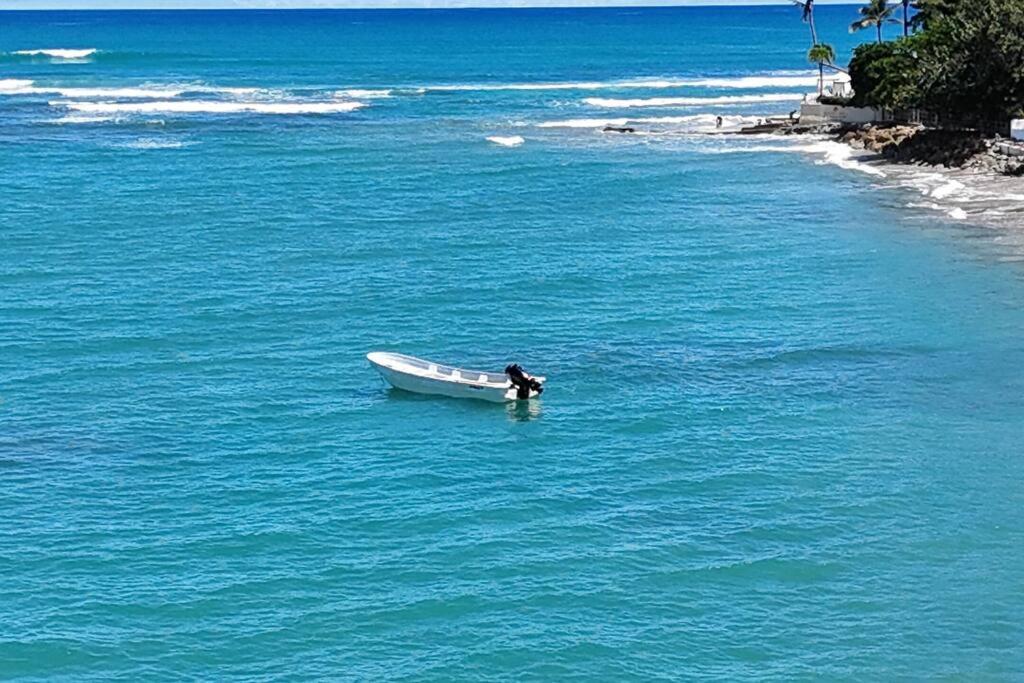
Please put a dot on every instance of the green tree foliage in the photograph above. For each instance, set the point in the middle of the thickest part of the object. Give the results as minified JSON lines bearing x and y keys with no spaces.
{"x":887,"y":74}
{"x":966,"y":63}
{"x":927,"y":11}
{"x":821,"y":54}
{"x":875,"y":13}
{"x":972,"y":62}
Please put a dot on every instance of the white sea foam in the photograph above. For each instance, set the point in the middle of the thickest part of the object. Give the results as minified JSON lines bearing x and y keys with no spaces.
{"x":692,"y":123}
{"x":23,"y":87}
{"x":829,"y":152}
{"x":507,"y":141}
{"x":935,"y":185}
{"x":583,"y":123}
{"x":363,"y":94}
{"x":746,"y":82}
{"x":586,"y":85}
{"x":13,"y":85}
{"x":208,"y":107}
{"x":163,"y":91}
{"x":956,"y":213}
{"x":611,"y":103}
{"x":127,"y":93}
{"x":153,"y":143}
{"x":960,"y":195}
{"x":947,"y":189}
{"x":842,"y":155}
{"x":58,"y":53}
{"x":788,"y":80}
{"x":78,"y":118}
{"x":235,"y":91}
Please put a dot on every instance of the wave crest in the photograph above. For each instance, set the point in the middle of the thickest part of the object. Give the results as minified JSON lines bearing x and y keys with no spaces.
{"x":611,"y":103}
{"x":737,"y":82}
{"x":208,"y":107}
{"x":363,"y":94}
{"x":507,"y":141}
{"x":691,"y":123}
{"x":58,"y":53}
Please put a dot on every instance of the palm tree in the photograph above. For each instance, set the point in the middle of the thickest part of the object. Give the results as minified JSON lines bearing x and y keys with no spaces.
{"x":807,"y":16}
{"x":875,"y":13}
{"x":906,"y":18}
{"x":821,"y":54}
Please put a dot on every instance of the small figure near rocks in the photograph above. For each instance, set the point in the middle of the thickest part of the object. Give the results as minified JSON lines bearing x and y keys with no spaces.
{"x":718,"y":122}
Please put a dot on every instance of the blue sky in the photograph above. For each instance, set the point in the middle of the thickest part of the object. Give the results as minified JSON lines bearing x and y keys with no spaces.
{"x":222,"y":4}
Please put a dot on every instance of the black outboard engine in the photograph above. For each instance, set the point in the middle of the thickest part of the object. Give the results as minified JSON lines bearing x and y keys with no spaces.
{"x":522,"y":381}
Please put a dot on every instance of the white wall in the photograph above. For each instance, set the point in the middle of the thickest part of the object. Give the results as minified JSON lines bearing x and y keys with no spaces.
{"x":1017,"y":129}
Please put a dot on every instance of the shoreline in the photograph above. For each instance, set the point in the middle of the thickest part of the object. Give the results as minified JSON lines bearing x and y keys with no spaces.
{"x":962,"y":175}
{"x":916,"y":145}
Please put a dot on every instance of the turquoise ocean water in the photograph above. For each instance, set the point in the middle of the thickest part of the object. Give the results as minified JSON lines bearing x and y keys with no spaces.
{"x":782,"y":437}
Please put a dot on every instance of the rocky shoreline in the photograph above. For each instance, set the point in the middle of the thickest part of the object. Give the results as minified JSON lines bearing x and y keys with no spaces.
{"x":907,"y":144}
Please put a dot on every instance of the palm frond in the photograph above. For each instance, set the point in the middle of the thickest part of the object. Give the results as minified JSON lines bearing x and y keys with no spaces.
{"x":806,"y":7}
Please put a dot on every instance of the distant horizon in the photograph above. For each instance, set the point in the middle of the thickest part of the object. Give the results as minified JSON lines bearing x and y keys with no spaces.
{"x":228,"y":5}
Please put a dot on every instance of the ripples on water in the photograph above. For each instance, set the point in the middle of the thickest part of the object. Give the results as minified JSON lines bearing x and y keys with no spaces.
{"x":781,"y":434}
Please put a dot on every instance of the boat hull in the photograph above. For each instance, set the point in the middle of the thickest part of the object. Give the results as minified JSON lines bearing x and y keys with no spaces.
{"x":425,"y":385}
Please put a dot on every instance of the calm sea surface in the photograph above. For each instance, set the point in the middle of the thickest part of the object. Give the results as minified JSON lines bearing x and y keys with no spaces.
{"x":783,"y":432}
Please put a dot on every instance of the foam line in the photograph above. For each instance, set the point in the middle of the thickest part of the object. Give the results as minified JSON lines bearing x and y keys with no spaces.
{"x":58,"y":53}
{"x":693,"y":122}
{"x":208,"y":107}
{"x":738,"y":82}
{"x":610,"y":103}
{"x":507,"y":141}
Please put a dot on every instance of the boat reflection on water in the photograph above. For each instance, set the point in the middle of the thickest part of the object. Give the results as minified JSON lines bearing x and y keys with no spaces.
{"x":523,"y":411}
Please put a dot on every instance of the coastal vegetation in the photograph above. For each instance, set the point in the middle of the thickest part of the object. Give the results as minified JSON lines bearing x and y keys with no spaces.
{"x":876,"y":13}
{"x":961,"y":61}
{"x":958,"y":68}
{"x":821,"y":54}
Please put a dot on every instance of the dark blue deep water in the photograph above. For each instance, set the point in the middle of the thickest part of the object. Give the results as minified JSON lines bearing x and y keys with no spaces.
{"x":783,"y":432}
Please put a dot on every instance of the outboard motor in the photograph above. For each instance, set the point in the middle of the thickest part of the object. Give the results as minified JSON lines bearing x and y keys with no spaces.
{"x":522,"y":381}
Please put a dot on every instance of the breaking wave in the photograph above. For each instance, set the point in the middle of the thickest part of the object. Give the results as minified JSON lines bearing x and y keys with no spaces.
{"x":58,"y":53}
{"x":208,"y":107}
{"x":960,"y":195}
{"x":152,"y":143}
{"x":13,"y":85}
{"x":691,"y":123}
{"x":23,"y":87}
{"x":842,"y":155}
{"x":234,"y":91}
{"x":745,"y":82}
{"x":507,"y":141}
{"x":830,"y":152}
{"x":609,"y":103}
{"x":738,"y":82}
{"x":363,"y":94}
{"x":79,"y":119}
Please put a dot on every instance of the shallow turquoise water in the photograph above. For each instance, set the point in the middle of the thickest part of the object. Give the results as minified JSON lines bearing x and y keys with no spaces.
{"x":782,"y":435}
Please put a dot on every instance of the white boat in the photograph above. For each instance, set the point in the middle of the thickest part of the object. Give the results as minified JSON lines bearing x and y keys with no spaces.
{"x":426,"y":377}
